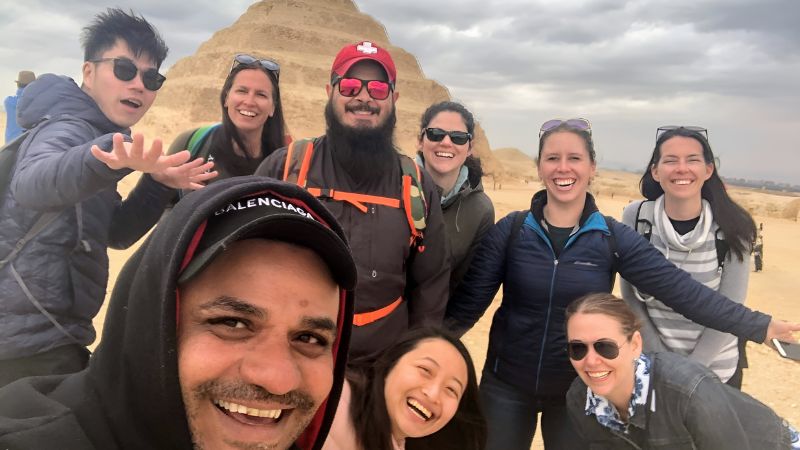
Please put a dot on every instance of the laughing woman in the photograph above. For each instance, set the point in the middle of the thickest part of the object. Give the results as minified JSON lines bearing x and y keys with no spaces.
{"x":690,"y":218}
{"x":624,"y":398}
{"x":421,"y":393}
{"x":444,"y":149}
{"x":252,"y":120}
{"x":546,"y":257}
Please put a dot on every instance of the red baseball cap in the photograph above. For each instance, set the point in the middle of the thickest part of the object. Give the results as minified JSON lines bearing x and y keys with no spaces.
{"x":351,"y":54}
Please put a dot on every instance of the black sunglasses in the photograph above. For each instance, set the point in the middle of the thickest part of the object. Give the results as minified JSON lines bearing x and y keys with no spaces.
{"x":665,"y":128}
{"x":268,"y":64}
{"x":126,"y":70}
{"x":608,"y":349}
{"x":456,"y":137}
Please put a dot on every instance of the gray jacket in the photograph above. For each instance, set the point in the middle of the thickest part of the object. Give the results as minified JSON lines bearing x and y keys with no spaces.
{"x":693,"y":410}
{"x":65,"y":267}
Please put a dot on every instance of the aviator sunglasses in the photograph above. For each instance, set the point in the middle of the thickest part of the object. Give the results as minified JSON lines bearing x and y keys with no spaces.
{"x":608,"y":349}
{"x":579,"y":124}
{"x":268,"y":64}
{"x":350,"y":87}
{"x":665,"y":128}
{"x":126,"y":70}
{"x":456,"y":137}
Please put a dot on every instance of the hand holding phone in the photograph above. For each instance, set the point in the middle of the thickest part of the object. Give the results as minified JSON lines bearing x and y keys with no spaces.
{"x":787,"y":349}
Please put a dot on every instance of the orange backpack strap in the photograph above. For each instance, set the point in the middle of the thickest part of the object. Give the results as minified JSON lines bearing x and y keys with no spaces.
{"x":354,"y":198}
{"x":361,"y":319}
{"x":298,"y":161}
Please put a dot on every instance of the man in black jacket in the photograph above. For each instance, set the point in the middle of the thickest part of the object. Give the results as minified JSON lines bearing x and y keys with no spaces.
{"x":228,"y":328}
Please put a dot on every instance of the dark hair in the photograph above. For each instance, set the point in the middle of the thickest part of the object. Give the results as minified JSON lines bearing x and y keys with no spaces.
{"x":606,"y":304}
{"x":273,"y":134}
{"x":373,"y":429}
{"x":472,"y":162}
{"x":585,"y":135}
{"x":736,"y":223}
{"x":107,"y":27}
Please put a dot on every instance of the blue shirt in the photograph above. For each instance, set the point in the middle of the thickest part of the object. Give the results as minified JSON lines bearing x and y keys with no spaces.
{"x":12,"y":128}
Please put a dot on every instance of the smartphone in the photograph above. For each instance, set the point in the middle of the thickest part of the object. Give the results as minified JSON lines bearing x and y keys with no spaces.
{"x":787,"y":349}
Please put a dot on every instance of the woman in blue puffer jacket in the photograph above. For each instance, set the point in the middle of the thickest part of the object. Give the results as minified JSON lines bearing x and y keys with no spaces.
{"x":563,"y":249}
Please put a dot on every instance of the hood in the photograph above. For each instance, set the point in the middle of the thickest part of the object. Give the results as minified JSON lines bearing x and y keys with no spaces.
{"x":54,"y":95}
{"x":135,"y":369}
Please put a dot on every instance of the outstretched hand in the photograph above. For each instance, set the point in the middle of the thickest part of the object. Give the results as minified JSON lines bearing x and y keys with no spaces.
{"x":131,"y":155}
{"x":191,"y":175}
{"x":781,"y":330}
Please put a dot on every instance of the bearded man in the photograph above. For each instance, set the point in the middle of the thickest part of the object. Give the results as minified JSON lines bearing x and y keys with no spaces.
{"x":357,"y":172}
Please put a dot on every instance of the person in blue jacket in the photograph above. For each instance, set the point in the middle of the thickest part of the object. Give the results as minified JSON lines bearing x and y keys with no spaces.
{"x":13,"y":129}
{"x":564,"y":249}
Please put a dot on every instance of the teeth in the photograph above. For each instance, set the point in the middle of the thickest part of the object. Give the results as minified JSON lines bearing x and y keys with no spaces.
{"x":241,"y":409}
{"x":445,"y":155}
{"x":598,"y":374}
{"x":564,"y":181}
{"x":682,"y":181}
{"x":419,"y":409}
{"x":247,"y":113}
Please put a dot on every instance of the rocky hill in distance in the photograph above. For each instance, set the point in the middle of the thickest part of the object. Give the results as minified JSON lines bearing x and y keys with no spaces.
{"x":304,"y":37}
{"x":516,"y":164}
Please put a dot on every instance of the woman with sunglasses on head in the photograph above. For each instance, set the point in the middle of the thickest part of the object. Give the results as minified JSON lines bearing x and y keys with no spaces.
{"x":252,"y":120}
{"x":444,"y":149}
{"x":690,"y":218}
{"x":624,"y":398}
{"x":559,"y":250}
{"x":420,"y":393}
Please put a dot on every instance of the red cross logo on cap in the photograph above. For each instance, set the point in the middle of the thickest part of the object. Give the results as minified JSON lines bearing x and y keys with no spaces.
{"x":366,"y":48}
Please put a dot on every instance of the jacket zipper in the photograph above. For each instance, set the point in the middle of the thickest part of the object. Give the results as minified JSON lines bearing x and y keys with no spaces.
{"x":549,"y":308}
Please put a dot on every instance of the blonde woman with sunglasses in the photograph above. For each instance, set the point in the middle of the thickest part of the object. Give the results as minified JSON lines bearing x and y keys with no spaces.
{"x":690,"y":218}
{"x":560,"y":249}
{"x":624,"y":398}
{"x":252,"y":124}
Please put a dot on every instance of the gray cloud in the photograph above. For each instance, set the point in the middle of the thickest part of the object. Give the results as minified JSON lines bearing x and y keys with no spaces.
{"x":629,"y":66}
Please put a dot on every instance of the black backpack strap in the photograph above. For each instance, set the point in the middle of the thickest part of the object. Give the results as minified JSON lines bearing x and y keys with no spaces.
{"x":646,"y":228}
{"x":516,"y":228}
{"x":612,"y":249}
{"x":41,"y":223}
{"x":722,"y":247}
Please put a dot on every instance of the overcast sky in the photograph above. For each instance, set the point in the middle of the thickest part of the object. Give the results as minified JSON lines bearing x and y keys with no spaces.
{"x":732,"y":66}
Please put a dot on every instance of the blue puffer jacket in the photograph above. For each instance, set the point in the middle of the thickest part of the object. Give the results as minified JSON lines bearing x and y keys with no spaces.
{"x":66,"y":265}
{"x":527,"y":342}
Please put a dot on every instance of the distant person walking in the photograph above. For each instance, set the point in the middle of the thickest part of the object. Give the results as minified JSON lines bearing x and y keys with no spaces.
{"x":690,"y":218}
{"x":13,"y":129}
{"x":758,"y":254}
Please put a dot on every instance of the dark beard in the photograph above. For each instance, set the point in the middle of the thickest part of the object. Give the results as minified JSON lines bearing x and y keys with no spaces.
{"x":367,"y":154}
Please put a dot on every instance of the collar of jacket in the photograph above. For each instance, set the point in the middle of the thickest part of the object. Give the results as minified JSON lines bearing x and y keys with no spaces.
{"x":540,"y":199}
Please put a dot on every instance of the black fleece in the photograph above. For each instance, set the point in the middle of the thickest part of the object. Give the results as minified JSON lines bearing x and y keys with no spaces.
{"x":129,"y":397}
